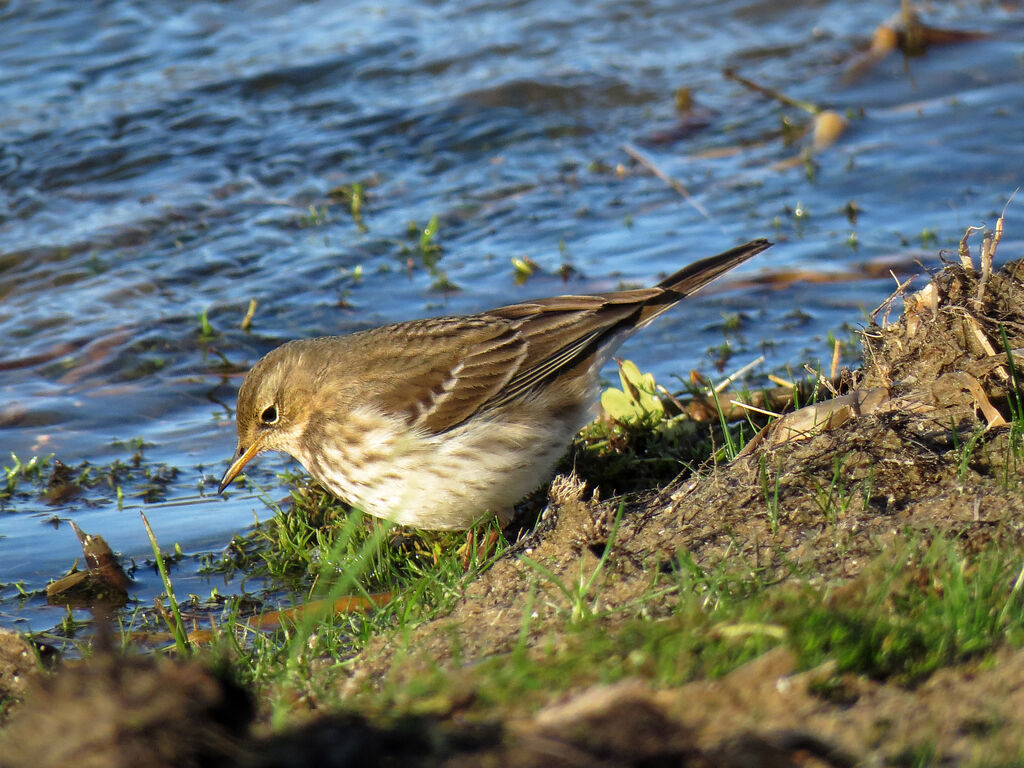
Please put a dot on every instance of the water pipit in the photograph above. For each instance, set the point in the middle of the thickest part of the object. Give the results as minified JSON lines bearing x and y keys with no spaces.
{"x":443,"y":422}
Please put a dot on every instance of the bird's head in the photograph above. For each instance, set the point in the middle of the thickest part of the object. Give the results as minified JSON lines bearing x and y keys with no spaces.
{"x":275,"y":403}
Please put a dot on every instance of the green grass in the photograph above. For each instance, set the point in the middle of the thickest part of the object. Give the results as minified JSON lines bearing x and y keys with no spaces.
{"x":834,"y":498}
{"x":966,"y":450}
{"x":580,"y":591}
{"x":314,"y":217}
{"x":354,"y":196}
{"x":912,"y":611}
{"x":915,"y":609}
{"x":33,"y":471}
{"x":173,"y":620}
{"x":206,"y":331}
{"x":315,"y":532}
{"x":318,"y":551}
{"x":429,"y":252}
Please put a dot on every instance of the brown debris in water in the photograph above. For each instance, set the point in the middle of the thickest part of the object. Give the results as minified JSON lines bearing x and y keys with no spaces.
{"x":907,"y":33}
{"x":103,"y":582}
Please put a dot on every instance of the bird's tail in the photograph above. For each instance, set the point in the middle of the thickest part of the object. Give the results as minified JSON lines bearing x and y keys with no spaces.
{"x":695,"y":276}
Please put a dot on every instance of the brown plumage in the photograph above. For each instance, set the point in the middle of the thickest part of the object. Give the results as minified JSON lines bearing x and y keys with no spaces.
{"x":438,"y":423}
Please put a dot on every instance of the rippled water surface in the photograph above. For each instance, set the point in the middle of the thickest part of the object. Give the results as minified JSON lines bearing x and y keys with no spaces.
{"x":163,"y":160}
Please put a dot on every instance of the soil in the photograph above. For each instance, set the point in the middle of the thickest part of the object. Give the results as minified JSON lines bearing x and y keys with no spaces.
{"x":936,"y":377}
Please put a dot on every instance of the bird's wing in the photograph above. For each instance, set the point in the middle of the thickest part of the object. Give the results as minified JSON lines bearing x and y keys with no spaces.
{"x":491,"y":359}
{"x":564,"y":332}
{"x":450,"y":367}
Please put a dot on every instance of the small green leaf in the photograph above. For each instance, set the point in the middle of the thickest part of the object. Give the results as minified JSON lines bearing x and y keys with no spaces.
{"x":619,"y":405}
{"x":522,"y":266}
{"x":637,"y":400}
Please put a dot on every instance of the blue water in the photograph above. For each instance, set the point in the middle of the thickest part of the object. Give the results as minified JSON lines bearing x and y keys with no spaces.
{"x":160,"y":160}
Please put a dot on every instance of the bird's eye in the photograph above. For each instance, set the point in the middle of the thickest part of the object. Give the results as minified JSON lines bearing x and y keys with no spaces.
{"x":269,"y":415}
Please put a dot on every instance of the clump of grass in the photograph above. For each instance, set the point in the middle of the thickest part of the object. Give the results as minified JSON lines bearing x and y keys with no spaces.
{"x":966,"y":450}
{"x":174,"y":622}
{"x":206,"y":331}
{"x":915,"y":610}
{"x":34,"y":470}
{"x":834,"y":499}
{"x":291,"y":548}
{"x":314,"y":217}
{"x":354,"y":196}
{"x":643,"y":437}
{"x":429,"y":252}
{"x":319,"y":548}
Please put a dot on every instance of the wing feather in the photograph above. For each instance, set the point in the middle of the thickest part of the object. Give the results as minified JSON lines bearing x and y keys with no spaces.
{"x":455,"y":367}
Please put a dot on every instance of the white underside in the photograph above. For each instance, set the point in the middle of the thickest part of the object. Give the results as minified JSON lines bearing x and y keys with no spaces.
{"x":476,"y":470}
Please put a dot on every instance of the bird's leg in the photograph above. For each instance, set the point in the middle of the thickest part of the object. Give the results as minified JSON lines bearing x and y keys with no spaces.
{"x":482,"y":548}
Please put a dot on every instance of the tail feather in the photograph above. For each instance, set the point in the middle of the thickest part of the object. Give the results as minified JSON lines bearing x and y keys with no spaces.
{"x":575,"y":335}
{"x":695,"y":276}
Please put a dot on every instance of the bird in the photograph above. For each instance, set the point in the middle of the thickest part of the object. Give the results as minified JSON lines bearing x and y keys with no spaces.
{"x":445,"y":422}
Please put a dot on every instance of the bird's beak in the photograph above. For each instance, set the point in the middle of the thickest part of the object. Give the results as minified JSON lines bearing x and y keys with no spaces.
{"x":242,"y":457}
